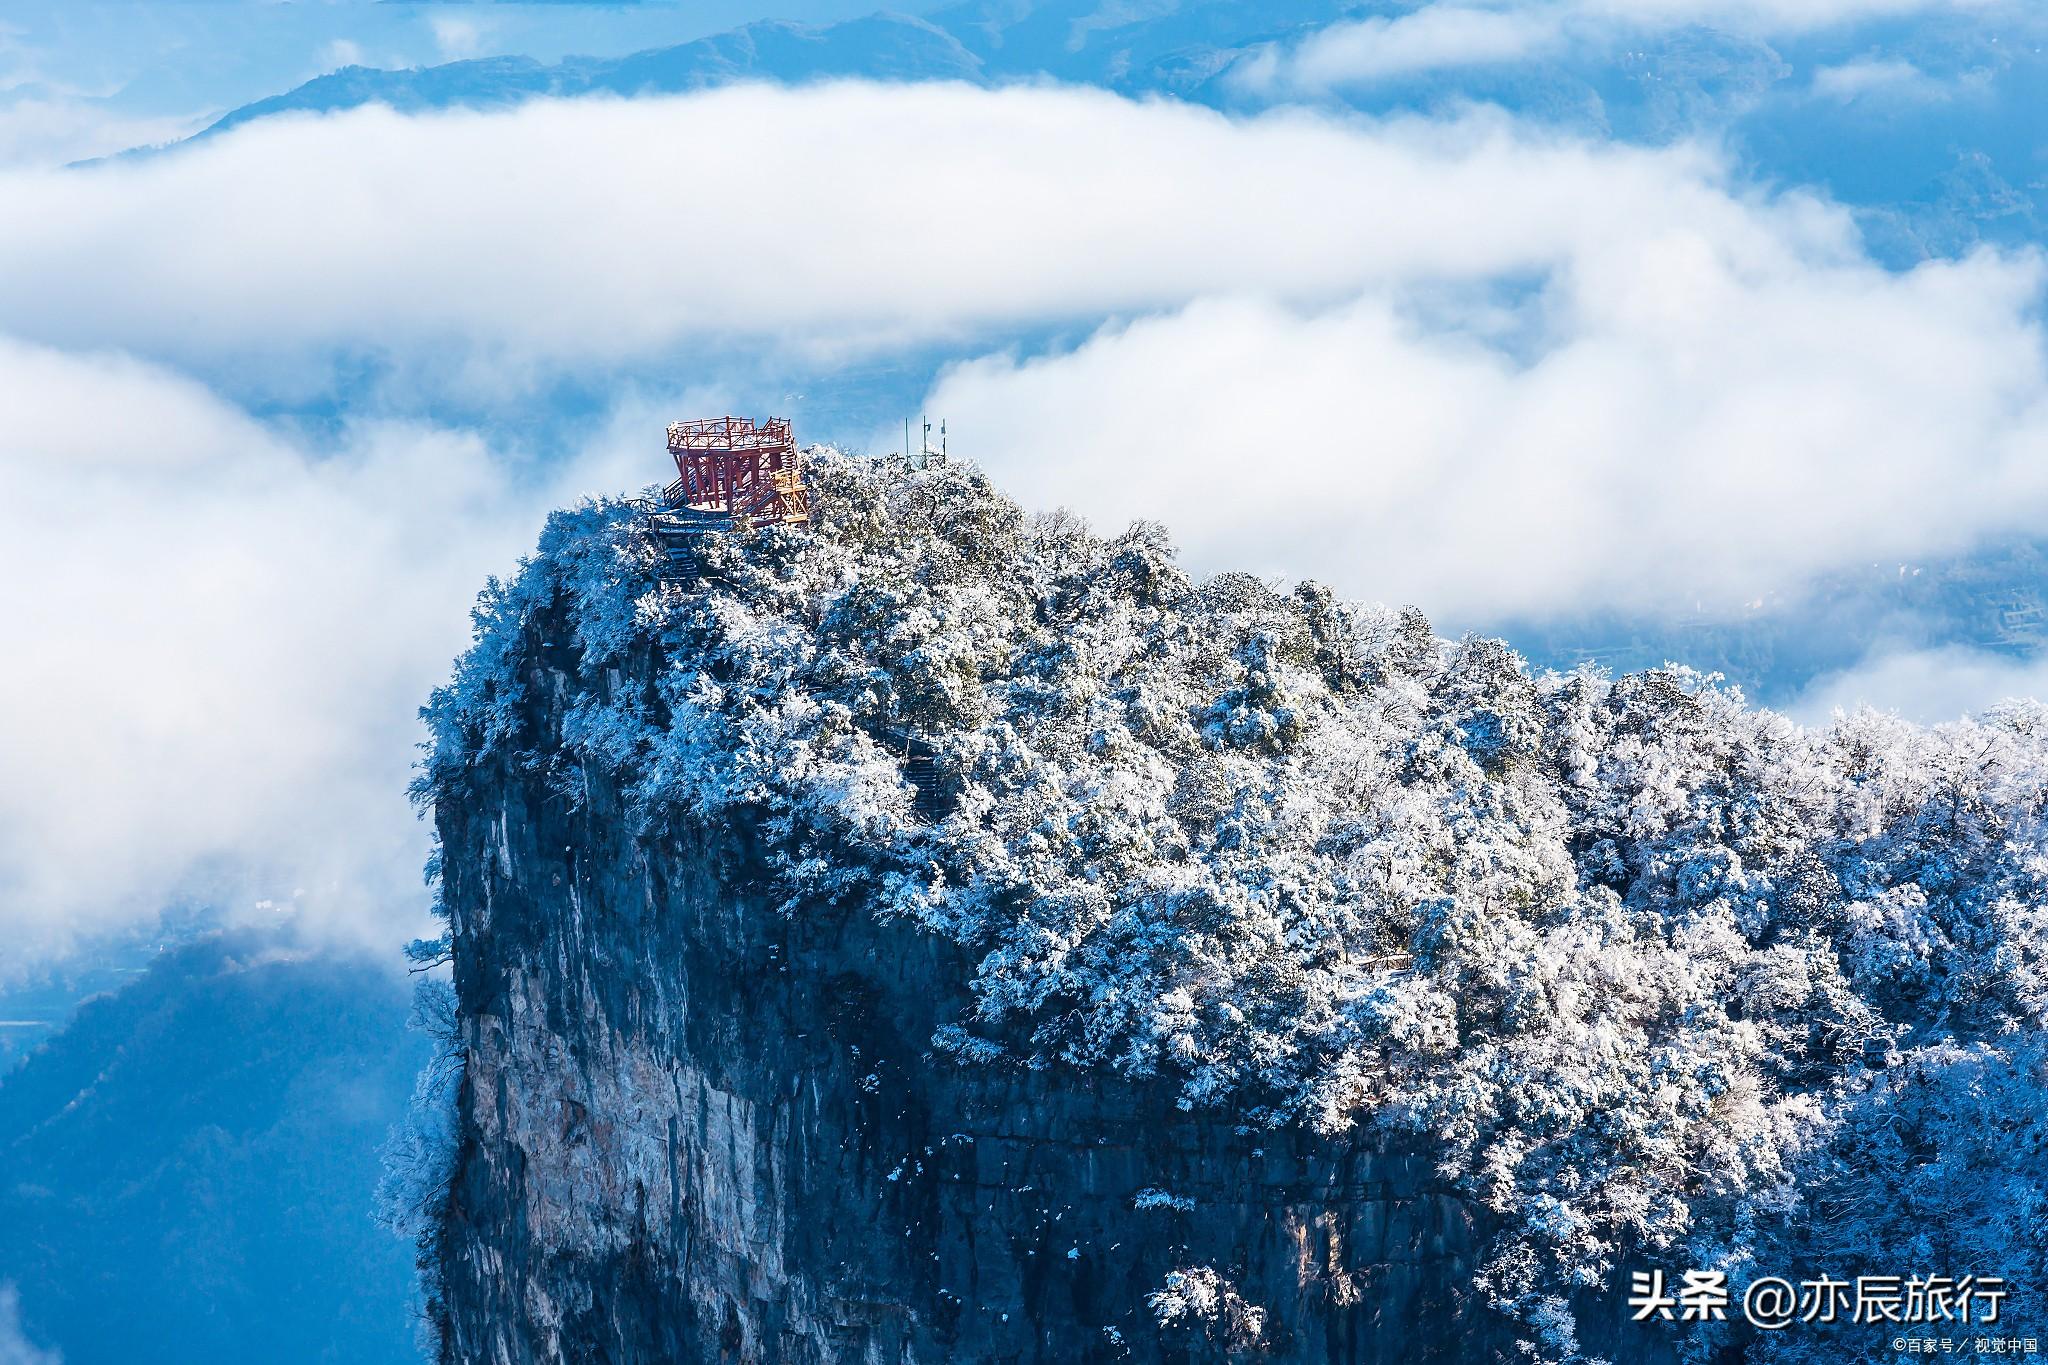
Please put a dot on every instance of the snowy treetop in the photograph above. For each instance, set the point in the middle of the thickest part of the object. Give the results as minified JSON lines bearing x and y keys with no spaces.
{"x":1657,"y":974}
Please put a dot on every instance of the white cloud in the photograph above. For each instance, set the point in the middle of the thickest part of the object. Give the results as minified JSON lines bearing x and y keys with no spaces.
{"x":1772,"y":16}
{"x":1433,"y":38}
{"x":340,"y":52}
{"x":1924,"y":685}
{"x":1468,"y":364}
{"x":52,"y":131}
{"x":1871,"y":76}
{"x":456,"y":38}
{"x":15,"y":1348}
{"x":218,"y":638}
{"x":1468,"y":33}
{"x":1695,"y":429}
{"x":590,"y":231}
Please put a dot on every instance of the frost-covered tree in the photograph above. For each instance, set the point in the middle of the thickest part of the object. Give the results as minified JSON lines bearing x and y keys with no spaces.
{"x":419,"y":1154}
{"x":1654,"y":972}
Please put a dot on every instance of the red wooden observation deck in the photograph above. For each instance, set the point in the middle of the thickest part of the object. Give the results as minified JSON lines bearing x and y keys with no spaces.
{"x":731,"y":466}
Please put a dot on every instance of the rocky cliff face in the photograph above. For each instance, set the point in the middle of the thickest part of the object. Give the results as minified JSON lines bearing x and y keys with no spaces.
{"x":696,"y":1127}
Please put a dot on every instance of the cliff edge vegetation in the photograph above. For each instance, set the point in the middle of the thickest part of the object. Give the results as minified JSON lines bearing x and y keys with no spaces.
{"x":1656,"y":977}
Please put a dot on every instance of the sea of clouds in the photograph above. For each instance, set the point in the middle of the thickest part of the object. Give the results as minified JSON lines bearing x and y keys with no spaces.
{"x":1459,"y":360}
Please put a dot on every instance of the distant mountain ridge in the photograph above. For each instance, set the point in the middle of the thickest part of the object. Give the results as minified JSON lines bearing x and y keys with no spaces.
{"x":881,"y":45}
{"x":191,"y":1164}
{"x":1178,"y":46}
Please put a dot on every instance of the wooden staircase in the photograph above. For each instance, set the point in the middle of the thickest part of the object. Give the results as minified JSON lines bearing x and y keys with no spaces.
{"x":932,"y":796}
{"x":679,"y":532}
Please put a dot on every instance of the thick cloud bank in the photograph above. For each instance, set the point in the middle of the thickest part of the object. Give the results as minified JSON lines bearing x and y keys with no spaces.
{"x":1511,"y":370}
{"x":218,"y":640}
{"x":853,"y":215}
{"x":1929,"y":686}
{"x":1469,"y":364}
{"x":1694,"y":430}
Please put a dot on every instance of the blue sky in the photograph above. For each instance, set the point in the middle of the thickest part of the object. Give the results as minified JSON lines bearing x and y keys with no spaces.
{"x":1705,"y":329}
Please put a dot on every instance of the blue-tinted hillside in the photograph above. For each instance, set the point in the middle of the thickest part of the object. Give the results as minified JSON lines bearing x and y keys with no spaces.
{"x":190,"y":1165}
